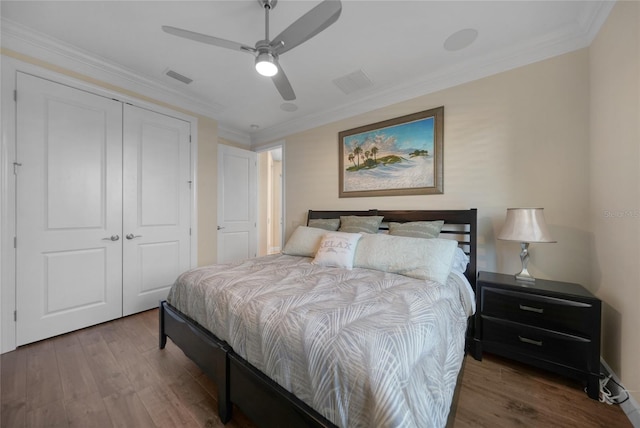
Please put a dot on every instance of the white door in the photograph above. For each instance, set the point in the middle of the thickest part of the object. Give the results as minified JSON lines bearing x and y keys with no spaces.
{"x":69,"y":209}
{"x":237,"y":204}
{"x":156,"y":211}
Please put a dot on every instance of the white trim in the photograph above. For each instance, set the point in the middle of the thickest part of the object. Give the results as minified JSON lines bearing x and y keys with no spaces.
{"x":630,"y":407}
{"x":194,"y":192}
{"x":9,"y":68}
{"x":468,"y":71}
{"x":31,"y":43}
{"x":269,"y":146}
{"x":7,"y":204}
{"x":234,"y":135}
{"x":547,"y":46}
{"x":592,"y":16}
{"x":283,"y":191}
{"x":283,"y":227}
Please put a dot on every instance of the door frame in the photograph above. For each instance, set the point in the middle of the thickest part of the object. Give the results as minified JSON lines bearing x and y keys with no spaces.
{"x":266,"y":148}
{"x":8,"y":83}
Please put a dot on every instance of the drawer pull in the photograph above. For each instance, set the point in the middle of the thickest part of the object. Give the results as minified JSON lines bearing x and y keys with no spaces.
{"x":530,"y":341}
{"x":531,"y":309}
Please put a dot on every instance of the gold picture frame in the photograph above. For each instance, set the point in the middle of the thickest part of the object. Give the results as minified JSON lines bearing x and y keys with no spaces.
{"x":400,"y":156}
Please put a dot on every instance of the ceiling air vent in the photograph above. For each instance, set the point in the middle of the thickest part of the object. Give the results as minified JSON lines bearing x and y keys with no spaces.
{"x":178,"y":76}
{"x":353,"y":82}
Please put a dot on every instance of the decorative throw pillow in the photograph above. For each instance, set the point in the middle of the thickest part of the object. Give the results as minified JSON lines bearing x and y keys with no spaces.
{"x":325,"y":223}
{"x":337,"y":250}
{"x":415,"y":257}
{"x":360,"y":224}
{"x":304,"y":241}
{"x":417,"y":229}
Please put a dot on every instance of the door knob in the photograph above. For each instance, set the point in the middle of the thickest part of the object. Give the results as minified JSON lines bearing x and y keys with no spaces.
{"x":111,"y":238}
{"x":220,"y":227}
{"x":132,"y":236}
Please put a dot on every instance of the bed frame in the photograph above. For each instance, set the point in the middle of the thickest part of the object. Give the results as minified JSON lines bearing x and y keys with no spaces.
{"x":260,"y":398}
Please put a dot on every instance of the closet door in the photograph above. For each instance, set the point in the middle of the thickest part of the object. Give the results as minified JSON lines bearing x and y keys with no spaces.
{"x":156,"y":206}
{"x":69,"y":209}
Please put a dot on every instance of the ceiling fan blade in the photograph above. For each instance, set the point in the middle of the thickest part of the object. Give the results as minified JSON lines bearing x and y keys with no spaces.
{"x":282,"y":84}
{"x":210,"y":40}
{"x":307,"y":26}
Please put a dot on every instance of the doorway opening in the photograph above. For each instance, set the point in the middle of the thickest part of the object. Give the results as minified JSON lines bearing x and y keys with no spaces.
{"x":270,"y":201}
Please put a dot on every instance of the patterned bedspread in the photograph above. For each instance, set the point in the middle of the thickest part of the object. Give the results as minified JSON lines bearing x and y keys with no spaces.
{"x":362,"y":347}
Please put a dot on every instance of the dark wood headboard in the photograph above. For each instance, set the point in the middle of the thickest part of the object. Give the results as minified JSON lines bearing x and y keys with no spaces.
{"x":460,"y":225}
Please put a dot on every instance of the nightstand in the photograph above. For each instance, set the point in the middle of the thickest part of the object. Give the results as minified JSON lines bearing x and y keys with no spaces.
{"x":548,"y":324}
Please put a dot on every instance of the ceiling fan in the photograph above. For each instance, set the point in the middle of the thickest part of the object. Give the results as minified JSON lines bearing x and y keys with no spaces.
{"x":267,"y":51}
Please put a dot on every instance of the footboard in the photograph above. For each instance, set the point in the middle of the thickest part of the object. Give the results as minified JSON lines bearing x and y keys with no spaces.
{"x":204,"y":349}
{"x":266,"y":402}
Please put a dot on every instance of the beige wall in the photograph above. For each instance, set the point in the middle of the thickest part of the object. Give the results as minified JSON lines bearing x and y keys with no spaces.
{"x":207,"y":157}
{"x":614,"y":66}
{"x":516,"y":139}
{"x":563,"y":134}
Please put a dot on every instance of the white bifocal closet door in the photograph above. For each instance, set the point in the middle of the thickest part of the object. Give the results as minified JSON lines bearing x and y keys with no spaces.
{"x":69,"y":209}
{"x":156,"y":206}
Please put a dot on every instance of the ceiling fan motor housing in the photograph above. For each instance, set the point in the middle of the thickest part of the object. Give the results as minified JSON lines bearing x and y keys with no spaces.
{"x":267,"y":52}
{"x":268,"y":3}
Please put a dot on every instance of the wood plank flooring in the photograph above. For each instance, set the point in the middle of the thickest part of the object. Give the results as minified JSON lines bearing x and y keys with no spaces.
{"x":114,"y":375}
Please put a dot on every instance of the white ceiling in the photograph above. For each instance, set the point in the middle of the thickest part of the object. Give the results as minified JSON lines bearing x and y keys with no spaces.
{"x":397,"y":44}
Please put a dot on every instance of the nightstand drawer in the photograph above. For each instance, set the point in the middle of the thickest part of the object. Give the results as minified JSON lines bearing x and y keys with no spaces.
{"x":567,"y":316}
{"x":539,"y":343}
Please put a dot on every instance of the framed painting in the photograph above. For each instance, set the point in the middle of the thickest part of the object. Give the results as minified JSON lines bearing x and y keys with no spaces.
{"x":401,"y":156}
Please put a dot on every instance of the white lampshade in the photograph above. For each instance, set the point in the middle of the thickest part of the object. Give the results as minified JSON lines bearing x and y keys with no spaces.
{"x":525,"y":225}
{"x":265,"y":65}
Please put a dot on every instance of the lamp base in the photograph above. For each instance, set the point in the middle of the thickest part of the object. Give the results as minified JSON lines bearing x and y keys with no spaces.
{"x":524,"y":274}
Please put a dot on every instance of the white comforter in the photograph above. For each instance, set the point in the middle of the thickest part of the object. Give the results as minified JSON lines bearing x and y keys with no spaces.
{"x":362,"y":347}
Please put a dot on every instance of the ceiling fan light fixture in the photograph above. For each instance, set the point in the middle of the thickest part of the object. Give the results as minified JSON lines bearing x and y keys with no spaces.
{"x":268,"y":51}
{"x":265,"y":64}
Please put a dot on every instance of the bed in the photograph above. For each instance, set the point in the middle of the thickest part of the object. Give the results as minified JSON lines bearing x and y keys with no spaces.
{"x":322,"y":368}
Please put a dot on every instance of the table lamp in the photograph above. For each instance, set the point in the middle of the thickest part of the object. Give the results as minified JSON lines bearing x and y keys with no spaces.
{"x":525,"y":225}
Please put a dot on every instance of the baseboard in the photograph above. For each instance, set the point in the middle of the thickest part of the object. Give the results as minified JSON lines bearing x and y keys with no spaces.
{"x":630,"y":407}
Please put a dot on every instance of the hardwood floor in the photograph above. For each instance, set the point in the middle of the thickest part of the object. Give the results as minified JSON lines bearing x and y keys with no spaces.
{"x":114,"y":375}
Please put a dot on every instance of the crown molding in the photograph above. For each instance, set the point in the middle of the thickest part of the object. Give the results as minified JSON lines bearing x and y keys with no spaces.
{"x":234,"y":135}
{"x":552,"y":44}
{"x":593,"y":15}
{"x":26,"y":41}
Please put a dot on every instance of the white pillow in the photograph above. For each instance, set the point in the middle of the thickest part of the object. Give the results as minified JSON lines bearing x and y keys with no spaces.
{"x":337,"y":249}
{"x":417,"y":229}
{"x":415,"y":257}
{"x":325,"y":223}
{"x":460,"y":261}
{"x":304,"y":241}
{"x":360,"y":224}
{"x":467,"y":296}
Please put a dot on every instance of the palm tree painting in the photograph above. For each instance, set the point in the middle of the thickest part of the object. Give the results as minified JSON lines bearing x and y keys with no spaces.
{"x":401,"y":156}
